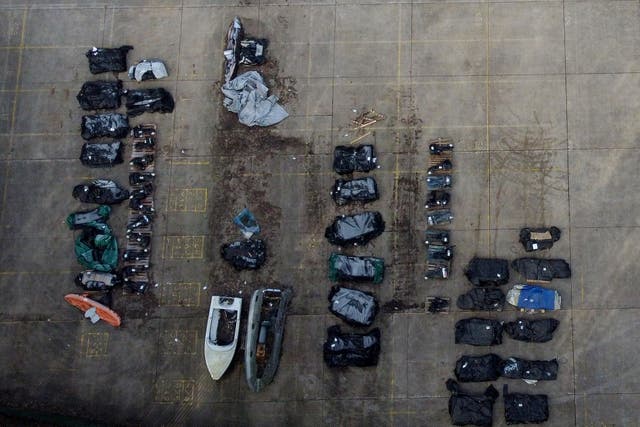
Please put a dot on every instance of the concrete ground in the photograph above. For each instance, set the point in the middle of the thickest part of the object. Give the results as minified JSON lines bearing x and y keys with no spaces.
{"x":540,"y":98}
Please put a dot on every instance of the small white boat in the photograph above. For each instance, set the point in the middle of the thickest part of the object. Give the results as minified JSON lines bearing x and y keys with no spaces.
{"x":221,"y":337}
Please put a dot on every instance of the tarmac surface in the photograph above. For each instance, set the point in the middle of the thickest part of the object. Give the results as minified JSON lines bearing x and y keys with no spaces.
{"x":541,"y":99}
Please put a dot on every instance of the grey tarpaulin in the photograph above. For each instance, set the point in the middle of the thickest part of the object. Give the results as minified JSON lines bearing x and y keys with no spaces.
{"x":247,"y":95}
{"x":353,"y":306}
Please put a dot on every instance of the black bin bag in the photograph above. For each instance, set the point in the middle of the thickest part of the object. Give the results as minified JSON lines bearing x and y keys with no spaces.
{"x":536,"y":370}
{"x":349,"y":159}
{"x":100,"y":191}
{"x":100,"y":95}
{"x":101,"y":154}
{"x":353,"y":306}
{"x":356,"y":229}
{"x":245,"y":254}
{"x":542,"y":270}
{"x":351,"y":349}
{"x":154,"y":100}
{"x":487,"y":271}
{"x":521,"y":408}
{"x":478,"y":368}
{"x":479,"y":332}
{"x":482,"y":299}
{"x":105,"y":59}
{"x":471,"y":409}
{"x":534,"y":330}
{"x":112,"y":125}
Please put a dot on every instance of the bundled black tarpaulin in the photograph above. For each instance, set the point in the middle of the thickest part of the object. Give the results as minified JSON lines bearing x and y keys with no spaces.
{"x":536,"y":370}
{"x":542,"y":270}
{"x":351,"y":349}
{"x":484,"y":299}
{"x":535,"y":330}
{"x":104,"y":59}
{"x":521,"y":408}
{"x":487,"y":271}
{"x":478,"y":368}
{"x":253,"y":51}
{"x":471,"y":409}
{"x":100,"y":191}
{"x":99,"y":95}
{"x":535,"y":239}
{"x":353,"y":306}
{"x":153,"y":100}
{"x":356,"y":268}
{"x":356,"y":229}
{"x":354,"y":190}
{"x":245,"y":254}
{"x":101,"y":154}
{"x":479,"y":332}
{"x":113,"y":125}
{"x":349,"y":159}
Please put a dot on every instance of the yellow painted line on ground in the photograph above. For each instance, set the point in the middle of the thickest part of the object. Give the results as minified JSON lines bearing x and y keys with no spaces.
{"x":174,"y":391}
{"x":180,"y":294}
{"x":183,"y":247}
{"x":188,"y":162}
{"x":94,"y":344}
{"x":188,"y":200}
{"x":16,"y":273}
{"x":488,"y":124}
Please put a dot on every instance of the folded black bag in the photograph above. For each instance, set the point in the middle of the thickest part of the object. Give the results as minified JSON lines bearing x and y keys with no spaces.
{"x":538,"y":330}
{"x":478,"y":368}
{"x":349,"y":159}
{"x":353,"y":306}
{"x":356,"y":229}
{"x":112,"y":125}
{"x":471,"y":408}
{"x":101,"y":154}
{"x":487,"y":271}
{"x":482,"y":299}
{"x":100,"y":95}
{"x":542,"y":270}
{"x":351,"y":349}
{"x":479,"y":332}
{"x":538,"y":370}
{"x":245,"y":254}
{"x":104,"y":59}
{"x":521,"y":408}
{"x":154,"y":100}
{"x":535,"y":239}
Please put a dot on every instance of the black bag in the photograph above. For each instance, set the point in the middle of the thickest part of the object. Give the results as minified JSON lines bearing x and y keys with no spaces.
{"x":479,"y":332}
{"x":354,"y":190}
{"x":351,"y":349}
{"x":113,"y":125}
{"x":102,"y":59}
{"x":535,"y":239}
{"x":100,"y":95}
{"x":100,"y":191}
{"x":542,"y":270}
{"x":538,"y":330}
{"x":521,"y":408}
{"x":478,"y":368}
{"x":356,"y":268}
{"x":353,"y":306}
{"x":349,"y":159}
{"x":101,"y":154}
{"x":469,"y":408}
{"x":155,"y":100}
{"x":356,"y":229}
{"x":487,"y":271}
{"x":538,"y":370}
{"x":485,"y":299}
{"x":253,"y":51}
{"x":245,"y":254}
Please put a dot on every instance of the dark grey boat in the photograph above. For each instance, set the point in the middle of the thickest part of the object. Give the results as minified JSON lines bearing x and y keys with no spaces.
{"x":265,"y":331}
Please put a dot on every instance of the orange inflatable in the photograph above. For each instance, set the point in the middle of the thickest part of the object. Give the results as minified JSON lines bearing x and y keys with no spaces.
{"x":83,"y":303}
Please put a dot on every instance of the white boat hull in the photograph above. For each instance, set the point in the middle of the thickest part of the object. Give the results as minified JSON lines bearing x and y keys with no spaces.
{"x":218,"y":355}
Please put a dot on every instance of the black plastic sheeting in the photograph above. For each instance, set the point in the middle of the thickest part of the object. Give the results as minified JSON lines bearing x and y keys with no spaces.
{"x":245,"y":254}
{"x":154,"y":100}
{"x":478,"y":368}
{"x":542,"y":270}
{"x":113,"y":125}
{"x":538,"y":330}
{"x":355,"y":307}
{"x":100,"y":191}
{"x":349,"y":159}
{"x":479,"y":332}
{"x":535,"y":239}
{"x":105,"y":59}
{"x":351,"y":349}
{"x":356,"y":268}
{"x":253,"y":51}
{"x":538,"y":370}
{"x":521,"y":408}
{"x":472,"y":409}
{"x":482,"y":299}
{"x":354,"y":190}
{"x":487,"y":271}
{"x":356,"y":229}
{"x":100,"y":95}
{"x":101,"y":154}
